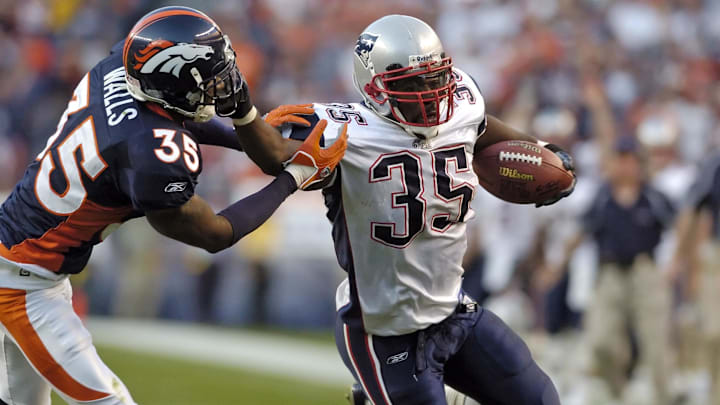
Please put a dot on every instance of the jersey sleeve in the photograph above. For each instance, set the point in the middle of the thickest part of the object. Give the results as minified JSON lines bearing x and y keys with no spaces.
{"x":469,"y":102}
{"x":214,"y":132}
{"x":155,"y":178}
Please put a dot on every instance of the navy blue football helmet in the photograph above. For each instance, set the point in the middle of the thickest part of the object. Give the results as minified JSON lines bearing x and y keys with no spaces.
{"x":179,"y":58}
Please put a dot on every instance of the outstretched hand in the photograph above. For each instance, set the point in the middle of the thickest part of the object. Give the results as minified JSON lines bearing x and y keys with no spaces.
{"x":289,"y":113}
{"x":311,"y":163}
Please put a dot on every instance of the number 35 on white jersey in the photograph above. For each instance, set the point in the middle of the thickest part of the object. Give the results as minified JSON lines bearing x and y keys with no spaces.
{"x":401,"y":206}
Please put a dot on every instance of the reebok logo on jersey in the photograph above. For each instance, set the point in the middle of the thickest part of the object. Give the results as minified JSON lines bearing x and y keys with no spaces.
{"x":397,"y":358}
{"x":175,"y":187}
{"x":364,"y":45}
{"x":169,"y":58}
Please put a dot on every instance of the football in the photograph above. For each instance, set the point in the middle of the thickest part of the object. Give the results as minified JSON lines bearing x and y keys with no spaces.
{"x":521,"y":172}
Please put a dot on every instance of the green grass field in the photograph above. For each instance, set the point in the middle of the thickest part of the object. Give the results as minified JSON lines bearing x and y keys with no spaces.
{"x":162,"y":380}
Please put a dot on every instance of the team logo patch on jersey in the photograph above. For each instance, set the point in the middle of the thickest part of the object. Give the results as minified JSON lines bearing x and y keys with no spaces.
{"x":397,"y":358}
{"x":169,"y":58}
{"x":176,"y":187}
{"x":364,"y":46}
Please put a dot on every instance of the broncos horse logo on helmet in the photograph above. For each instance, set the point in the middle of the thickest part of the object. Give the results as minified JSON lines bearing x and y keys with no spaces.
{"x":173,"y":58}
{"x":178,"y":58}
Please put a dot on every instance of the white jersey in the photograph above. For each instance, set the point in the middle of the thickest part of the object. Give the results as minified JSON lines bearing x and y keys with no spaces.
{"x":399,"y":207}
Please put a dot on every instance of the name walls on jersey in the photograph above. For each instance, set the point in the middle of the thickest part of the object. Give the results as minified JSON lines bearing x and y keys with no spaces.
{"x":115,"y":95}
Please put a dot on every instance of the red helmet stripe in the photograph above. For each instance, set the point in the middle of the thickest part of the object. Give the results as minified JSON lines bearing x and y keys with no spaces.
{"x":151,"y":49}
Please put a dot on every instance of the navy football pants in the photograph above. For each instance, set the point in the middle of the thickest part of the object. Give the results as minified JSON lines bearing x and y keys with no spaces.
{"x":475,"y":353}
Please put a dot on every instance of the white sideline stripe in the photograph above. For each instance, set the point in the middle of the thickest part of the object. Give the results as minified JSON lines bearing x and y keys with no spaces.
{"x":253,"y":351}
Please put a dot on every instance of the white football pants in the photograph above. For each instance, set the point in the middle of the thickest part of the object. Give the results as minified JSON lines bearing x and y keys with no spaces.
{"x":44,"y":345}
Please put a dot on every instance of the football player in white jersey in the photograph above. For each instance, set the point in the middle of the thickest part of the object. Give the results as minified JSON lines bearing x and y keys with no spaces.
{"x":399,"y":202}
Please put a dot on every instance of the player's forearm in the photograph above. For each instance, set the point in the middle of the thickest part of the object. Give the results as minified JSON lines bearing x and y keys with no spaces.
{"x":249,"y":213}
{"x":265,"y":146}
{"x":193,"y":223}
{"x":498,"y":131}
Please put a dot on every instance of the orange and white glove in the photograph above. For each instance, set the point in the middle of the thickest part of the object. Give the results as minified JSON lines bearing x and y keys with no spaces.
{"x":311,"y":164}
{"x":285,"y":113}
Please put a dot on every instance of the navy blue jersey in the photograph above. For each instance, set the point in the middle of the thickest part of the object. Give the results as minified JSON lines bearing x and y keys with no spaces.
{"x":111,"y":159}
{"x":624,"y":232}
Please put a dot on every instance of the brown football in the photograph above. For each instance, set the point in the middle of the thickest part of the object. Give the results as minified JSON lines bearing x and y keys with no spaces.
{"x":521,"y":172}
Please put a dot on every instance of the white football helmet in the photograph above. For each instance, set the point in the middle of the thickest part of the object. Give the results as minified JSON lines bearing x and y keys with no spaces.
{"x":402,"y":73}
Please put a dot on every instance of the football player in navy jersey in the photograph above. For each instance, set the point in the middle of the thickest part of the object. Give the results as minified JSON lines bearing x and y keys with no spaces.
{"x":126,"y":147}
{"x":399,"y":203}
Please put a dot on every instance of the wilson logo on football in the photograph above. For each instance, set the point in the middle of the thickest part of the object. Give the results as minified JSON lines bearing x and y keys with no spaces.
{"x":169,"y":58}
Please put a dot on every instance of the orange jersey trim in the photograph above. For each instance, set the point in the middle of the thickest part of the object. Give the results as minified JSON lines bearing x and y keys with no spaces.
{"x":48,"y":251}
{"x":13,"y":316}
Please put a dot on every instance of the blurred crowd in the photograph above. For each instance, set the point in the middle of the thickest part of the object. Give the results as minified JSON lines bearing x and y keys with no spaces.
{"x":630,"y":87}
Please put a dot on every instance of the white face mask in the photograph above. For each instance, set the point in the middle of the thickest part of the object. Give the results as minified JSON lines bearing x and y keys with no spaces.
{"x":204,"y":114}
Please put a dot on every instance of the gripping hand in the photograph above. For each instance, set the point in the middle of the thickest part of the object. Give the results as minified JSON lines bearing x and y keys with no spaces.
{"x":312,"y":164}
{"x":238,"y":104}
{"x":569,"y":165}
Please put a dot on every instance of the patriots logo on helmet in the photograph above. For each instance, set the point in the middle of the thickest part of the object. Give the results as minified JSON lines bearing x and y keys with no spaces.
{"x":365,"y":44}
{"x":169,"y":57}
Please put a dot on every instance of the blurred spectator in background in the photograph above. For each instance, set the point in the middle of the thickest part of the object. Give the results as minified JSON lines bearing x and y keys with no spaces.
{"x":698,"y":255}
{"x":631,"y":299}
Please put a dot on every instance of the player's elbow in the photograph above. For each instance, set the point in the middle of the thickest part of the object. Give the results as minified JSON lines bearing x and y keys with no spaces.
{"x":215,"y":245}
{"x":216,"y":242}
{"x":214,"y":248}
{"x":272,"y":168}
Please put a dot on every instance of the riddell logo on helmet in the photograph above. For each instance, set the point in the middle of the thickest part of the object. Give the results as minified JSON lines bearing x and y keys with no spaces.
{"x":169,"y":58}
{"x":419,"y":59}
{"x":363,"y":47}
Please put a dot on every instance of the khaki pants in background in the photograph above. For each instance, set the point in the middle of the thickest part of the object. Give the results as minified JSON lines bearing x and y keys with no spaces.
{"x":709,"y":302}
{"x":636,"y":299}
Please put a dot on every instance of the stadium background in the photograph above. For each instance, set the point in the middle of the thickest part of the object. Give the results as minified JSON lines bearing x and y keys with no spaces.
{"x":580,"y":73}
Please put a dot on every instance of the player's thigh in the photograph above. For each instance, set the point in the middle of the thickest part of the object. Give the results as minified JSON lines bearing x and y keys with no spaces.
{"x":19,"y":383}
{"x":386,"y":367}
{"x":43,"y":324}
{"x":495,"y":367}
